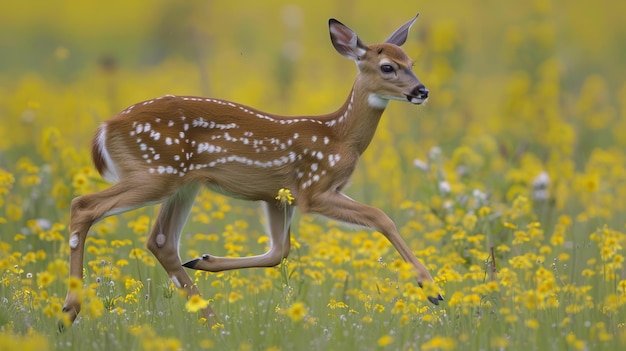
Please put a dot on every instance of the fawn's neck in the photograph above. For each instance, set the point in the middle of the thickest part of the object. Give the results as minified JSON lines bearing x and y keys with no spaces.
{"x":356,"y":120}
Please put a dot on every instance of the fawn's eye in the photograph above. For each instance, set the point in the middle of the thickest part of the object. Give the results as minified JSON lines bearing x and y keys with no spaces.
{"x":386,"y":68}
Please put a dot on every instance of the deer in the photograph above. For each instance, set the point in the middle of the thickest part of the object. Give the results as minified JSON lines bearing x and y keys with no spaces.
{"x":162,"y":151}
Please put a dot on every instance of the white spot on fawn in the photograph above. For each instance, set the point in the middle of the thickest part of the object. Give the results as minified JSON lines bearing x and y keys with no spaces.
{"x":155,"y":135}
{"x":333,"y":159}
{"x":176,"y":282}
{"x":160,"y":239}
{"x":210,"y":148}
{"x":74,"y":241}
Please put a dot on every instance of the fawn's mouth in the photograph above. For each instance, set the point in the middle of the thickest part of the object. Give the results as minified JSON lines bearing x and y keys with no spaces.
{"x":416,"y":100}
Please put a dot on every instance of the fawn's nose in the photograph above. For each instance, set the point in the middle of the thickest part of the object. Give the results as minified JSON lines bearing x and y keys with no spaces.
{"x":420,"y":92}
{"x":418,"y":95}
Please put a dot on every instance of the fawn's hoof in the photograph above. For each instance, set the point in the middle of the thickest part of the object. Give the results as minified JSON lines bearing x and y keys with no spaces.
{"x":435,"y":300}
{"x":192,"y":264}
{"x":63,"y":323}
{"x":60,"y":327}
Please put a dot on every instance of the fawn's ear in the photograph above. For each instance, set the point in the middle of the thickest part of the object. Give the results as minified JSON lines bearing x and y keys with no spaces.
{"x":399,"y":36}
{"x":345,"y":41}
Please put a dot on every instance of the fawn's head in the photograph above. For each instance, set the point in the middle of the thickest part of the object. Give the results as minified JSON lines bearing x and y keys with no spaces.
{"x":385,"y":67}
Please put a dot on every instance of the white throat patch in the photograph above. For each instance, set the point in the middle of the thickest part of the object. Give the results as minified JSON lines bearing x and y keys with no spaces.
{"x":377,"y":101}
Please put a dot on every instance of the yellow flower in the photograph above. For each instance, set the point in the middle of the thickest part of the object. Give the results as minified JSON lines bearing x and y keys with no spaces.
{"x":510,"y":225}
{"x":131,"y":283}
{"x":439,"y":343}
{"x":53,"y":310}
{"x":503,"y":248}
{"x":532,"y":323}
{"x":590,"y":182}
{"x":14,"y":212}
{"x":60,"y":193}
{"x":469,"y":221}
{"x":399,"y":307}
{"x":622,"y":286}
{"x":284,"y":196}
{"x":385,"y":340}
{"x":95,"y":307}
{"x":512,"y":318}
{"x":141,"y":225}
{"x":6,"y":181}
{"x":234,"y":296}
{"x":51,"y":141}
{"x":207,"y":344}
{"x":44,"y":279}
{"x":80,"y":182}
{"x":499,"y":342}
{"x":148,"y":261}
{"x":75,"y":284}
{"x":297,"y":311}
{"x":121,"y":262}
{"x":172,"y":344}
{"x":120,"y":243}
{"x":574,"y":342}
{"x":196,"y":303}
{"x":137,"y":253}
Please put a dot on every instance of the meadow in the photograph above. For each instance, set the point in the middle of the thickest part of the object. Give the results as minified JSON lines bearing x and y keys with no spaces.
{"x":509,"y":184}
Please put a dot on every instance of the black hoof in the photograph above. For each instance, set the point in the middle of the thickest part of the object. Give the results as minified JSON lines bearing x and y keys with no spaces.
{"x":434,"y":300}
{"x":60,"y":327}
{"x":192,"y":263}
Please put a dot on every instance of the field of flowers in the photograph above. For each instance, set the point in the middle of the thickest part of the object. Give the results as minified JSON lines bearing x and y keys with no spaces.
{"x":509,"y":184}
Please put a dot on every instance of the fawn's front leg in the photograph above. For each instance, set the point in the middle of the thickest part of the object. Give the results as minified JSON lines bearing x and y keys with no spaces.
{"x":334,"y":204}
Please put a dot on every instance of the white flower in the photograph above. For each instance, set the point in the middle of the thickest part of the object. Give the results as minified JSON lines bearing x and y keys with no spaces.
{"x":444,"y":187}
{"x":434,"y":153}
{"x":480,"y":197}
{"x":421,"y":165}
{"x":540,"y":186}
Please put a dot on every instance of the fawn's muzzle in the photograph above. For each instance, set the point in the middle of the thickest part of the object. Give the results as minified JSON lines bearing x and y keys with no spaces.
{"x":418,"y":95}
